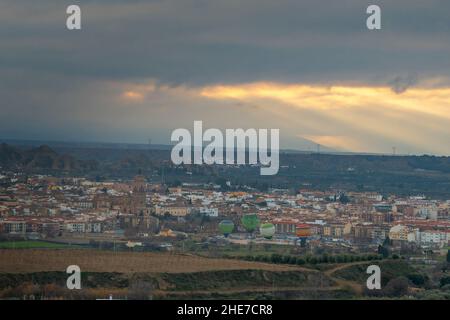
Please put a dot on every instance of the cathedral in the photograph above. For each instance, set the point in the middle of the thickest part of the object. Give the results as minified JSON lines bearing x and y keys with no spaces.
{"x":138,"y":203}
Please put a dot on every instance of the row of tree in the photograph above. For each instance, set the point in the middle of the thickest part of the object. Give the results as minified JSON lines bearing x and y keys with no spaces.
{"x":325,"y":258}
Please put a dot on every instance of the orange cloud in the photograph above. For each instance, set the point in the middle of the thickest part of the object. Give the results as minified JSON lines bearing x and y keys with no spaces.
{"x":342,"y":143}
{"x":336,"y":97}
{"x":344,"y":117}
{"x":132,"y":95}
{"x":356,"y":118}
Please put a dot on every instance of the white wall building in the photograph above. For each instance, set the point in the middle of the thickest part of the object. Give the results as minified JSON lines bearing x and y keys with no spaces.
{"x":434,"y":237}
{"x":78,"y":227}
{"x":210,"y":212}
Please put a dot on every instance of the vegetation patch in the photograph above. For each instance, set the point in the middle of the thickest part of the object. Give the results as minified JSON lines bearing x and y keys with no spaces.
{"x":390,"y":269}
{"x":34,"y":245}
{"x":245,"y":279}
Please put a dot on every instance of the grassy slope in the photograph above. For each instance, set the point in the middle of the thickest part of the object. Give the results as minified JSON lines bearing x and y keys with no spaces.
{"x":389,"y":269}
{"x":33,"y":245}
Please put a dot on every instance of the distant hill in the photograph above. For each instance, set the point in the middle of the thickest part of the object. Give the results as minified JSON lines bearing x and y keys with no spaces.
{"x":42,"y":157}
{"x":401,"y":175}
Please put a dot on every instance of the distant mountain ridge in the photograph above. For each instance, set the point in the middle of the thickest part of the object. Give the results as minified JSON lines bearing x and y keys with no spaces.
{"x":42,"y":157}
{"x":401,"y":175}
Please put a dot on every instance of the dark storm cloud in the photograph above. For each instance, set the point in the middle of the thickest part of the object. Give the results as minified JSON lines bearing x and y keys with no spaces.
{"x":400,"y":84}
{"x":200,"y":42}
{"x":72,"y":85}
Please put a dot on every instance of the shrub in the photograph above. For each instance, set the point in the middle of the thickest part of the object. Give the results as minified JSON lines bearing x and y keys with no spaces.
{"x":276,"y":258}
{"x":293,"y":260}
{"x":397,"y":287}
{"x":444,"y":281}
{"x":258,"y":258}
{"x":417,"y":279}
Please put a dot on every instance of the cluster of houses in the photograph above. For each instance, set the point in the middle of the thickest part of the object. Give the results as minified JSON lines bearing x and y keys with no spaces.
{"x":51,"y":206}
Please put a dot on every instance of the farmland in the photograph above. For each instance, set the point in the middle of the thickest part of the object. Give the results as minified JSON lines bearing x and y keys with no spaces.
{"x":37,"y":260}
{"x":155,"y":275}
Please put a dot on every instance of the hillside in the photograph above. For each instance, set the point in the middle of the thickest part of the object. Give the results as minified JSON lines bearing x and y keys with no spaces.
{"x":400,"y":175}
{"x":137,"y":275}
{"x":40,"y":158}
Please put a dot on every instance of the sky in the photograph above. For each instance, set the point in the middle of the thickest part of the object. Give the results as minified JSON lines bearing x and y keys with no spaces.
{"x":138,"y":70}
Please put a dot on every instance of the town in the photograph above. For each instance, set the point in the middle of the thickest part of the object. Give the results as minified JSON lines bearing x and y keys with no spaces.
{"x":139,"y":215}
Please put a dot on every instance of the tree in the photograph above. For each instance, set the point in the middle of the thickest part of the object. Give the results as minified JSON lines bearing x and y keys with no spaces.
{"x":303,"y":242}
{"x":417,"y":279}
{"x":344,"y":199}
{"x":397,"y":287}
{"x":292,"y":260}
{"x":222,"y":182}
{"x":383,"y":250}
{"x":444,"y":281}
{"x":286,"y":259}
{"x":276,"y":258}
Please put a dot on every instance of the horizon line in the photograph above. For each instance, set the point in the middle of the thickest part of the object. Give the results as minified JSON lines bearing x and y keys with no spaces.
{"x":152,"y":146}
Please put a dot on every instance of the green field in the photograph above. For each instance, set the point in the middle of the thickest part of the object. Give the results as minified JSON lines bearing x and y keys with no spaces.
{"x":34,"y":245}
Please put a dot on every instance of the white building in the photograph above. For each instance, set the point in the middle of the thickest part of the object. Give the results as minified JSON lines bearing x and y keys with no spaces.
{"x":434,"y":237}
{"x":78,"y":227}
{"x":210,"y":212}
{"x":94,"y":227}
{"x":427,"y":212}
